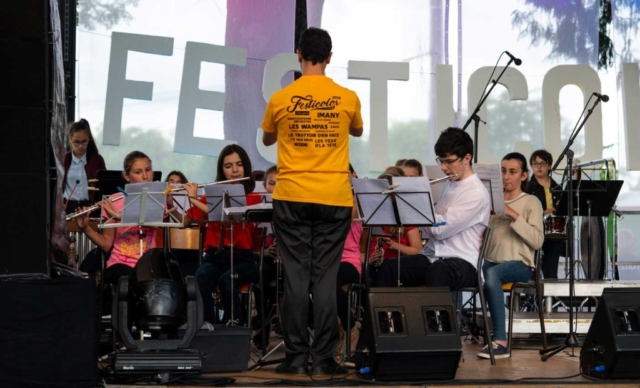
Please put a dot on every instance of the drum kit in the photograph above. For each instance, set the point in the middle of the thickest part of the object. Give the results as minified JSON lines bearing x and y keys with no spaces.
{"x":592,"y":234}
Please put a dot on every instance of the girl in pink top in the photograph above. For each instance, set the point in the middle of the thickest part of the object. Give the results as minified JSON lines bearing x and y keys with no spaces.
{"x":123,"y":243}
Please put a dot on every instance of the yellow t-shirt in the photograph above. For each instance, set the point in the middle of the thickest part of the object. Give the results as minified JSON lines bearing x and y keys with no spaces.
{"x":312,"y":117}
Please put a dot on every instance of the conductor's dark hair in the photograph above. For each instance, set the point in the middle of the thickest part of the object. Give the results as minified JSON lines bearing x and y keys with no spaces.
{"x":454,"y":141}
{"x":315,"y":45}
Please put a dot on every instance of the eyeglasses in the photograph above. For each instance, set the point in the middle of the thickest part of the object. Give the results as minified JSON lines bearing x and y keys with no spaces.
{"x":541,"y":164}
{"x":78,"y":142}
{"x":447,"y":162}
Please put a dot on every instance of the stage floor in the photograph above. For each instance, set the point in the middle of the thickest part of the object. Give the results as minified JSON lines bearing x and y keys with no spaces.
{"x":523,"y":369}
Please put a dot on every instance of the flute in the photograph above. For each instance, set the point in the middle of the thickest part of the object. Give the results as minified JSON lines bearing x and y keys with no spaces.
{"x":91,"y":208}
{"x":444,"y":178}
{"x":171,"y":189}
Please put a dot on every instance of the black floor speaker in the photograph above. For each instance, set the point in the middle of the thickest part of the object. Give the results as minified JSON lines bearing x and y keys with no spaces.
{"x":408,"y":334}
{"x":611,"y":349}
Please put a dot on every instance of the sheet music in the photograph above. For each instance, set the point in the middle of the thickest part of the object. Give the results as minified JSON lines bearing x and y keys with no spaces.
{"x":214,"y":194}
{"x":491,"y":176}
{"x":375,"y":207}
{"x":413,"y":200}
{"x":155,"y":201}
{"x":435,"y":172}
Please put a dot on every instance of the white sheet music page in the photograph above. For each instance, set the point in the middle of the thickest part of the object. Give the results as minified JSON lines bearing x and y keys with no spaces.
{"x":375,"y":205}
{"x":435,"y":172}
{"x":491,"y":176}
{"x":413,"y":198}
{"x":155,"y":202}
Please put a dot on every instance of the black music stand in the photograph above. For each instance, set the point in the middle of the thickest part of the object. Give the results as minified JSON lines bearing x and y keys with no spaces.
{"x":225,"y":196}
{"x":592,"y":198}
{"x":395,"y":203}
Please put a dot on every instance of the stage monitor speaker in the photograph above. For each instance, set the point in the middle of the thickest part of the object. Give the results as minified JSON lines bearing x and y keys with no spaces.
{"x":408,"y":334}
{"x":611,"y":349}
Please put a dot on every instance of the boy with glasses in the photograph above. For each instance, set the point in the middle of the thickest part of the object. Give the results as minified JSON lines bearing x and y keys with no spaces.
{"x":462,"y":214}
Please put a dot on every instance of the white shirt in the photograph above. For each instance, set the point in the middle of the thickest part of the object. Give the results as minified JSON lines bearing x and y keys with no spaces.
{"x":77,"y":173}
{"x":464,"y":207}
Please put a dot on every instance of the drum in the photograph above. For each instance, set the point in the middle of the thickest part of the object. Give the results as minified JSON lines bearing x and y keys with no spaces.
{"x":555,"y":226}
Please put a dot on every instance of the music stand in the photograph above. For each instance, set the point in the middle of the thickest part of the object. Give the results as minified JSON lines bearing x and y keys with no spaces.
{"x":224,"y":196}
{"x":144,"y":205}
{"x":395,"y":203}
{"x":592,"y":198}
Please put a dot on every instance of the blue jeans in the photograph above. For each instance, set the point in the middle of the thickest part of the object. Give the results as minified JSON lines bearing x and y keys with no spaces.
{"x":495,"y":275}
{"x":214,"y":273}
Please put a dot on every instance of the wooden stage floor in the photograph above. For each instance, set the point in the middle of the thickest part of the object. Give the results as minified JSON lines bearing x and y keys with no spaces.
{"x":523,"y":369}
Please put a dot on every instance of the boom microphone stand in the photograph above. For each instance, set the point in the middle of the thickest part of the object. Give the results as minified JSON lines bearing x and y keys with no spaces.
{"x":571,"y":340}
{"x":474,"y":116}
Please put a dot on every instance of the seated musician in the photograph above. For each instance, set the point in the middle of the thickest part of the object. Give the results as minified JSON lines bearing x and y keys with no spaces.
{"x":412,"y":167}
{"x":540,"y":186}
{"x":386,"y":246}
{"x":462,"y":215}
{"x":215,"y":271}
{"x":123,"y":243}
{"x":509,"y":255}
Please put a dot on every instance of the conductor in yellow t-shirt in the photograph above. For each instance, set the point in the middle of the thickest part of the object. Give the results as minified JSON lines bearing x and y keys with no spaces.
{"x":311,"y":121}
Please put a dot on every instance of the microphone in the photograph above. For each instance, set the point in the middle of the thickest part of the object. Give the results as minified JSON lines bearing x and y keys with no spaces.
{"x":603,"y":97}
{"x":517,"y":61}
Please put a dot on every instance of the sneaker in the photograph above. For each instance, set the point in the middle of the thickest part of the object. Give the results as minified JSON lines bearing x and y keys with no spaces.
{"x":499,"y":351}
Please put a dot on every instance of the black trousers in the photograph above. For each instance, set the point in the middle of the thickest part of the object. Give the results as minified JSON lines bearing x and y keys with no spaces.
{"x":310,"y":239}
{"x":452,"y":272}
{"x":413,"y":272}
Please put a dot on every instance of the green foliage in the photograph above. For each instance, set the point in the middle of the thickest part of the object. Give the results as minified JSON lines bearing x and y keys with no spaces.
{"x":106,"y":13}
{"x":160,"y":149}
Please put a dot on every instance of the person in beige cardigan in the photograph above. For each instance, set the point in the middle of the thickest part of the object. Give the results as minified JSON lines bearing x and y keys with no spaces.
{"x":515,"y":236}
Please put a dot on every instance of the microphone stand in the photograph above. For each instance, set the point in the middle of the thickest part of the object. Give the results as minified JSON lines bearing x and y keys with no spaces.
{"x":572,"y":339}
{"x":474,"y":116}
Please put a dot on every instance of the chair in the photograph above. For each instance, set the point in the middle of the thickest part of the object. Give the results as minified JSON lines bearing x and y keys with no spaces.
{"x":479,"y":289}
{"x":535,"y":284}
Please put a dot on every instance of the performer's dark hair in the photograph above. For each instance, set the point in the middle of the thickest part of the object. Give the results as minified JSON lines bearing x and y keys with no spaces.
{"x":131,"y":158}
{"x":249,"y":184}
{"x":183,"y":178}
{"x":83,"y":125}
{"x":523,"y":165}
{"x":315,"y":45}
{"x":454,"y":141}
{"x":269,"y":171}
{"x":542,"y":154}
{"x":400,"y":162}
{"x":352,"y":170}
{"x":413,"y":163}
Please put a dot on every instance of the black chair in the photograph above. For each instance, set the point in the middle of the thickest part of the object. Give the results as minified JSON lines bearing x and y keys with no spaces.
{"x":479,"y":289}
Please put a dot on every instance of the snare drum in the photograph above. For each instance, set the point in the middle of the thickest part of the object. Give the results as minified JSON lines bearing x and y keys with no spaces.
{"x":555,"y":226}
